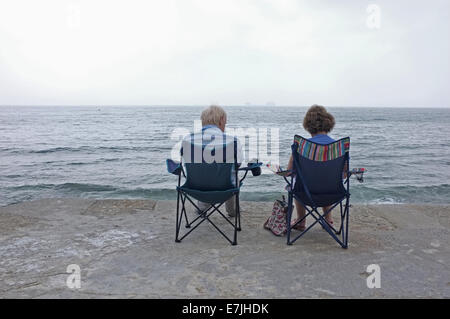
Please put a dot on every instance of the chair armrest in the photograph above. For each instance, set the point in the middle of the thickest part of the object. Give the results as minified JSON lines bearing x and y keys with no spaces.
{"x":250,"y":166}
{"x":255,"y":168}
{"x":285,"y":173}
{"x":173,"y":167}
{"x":358,"y":172}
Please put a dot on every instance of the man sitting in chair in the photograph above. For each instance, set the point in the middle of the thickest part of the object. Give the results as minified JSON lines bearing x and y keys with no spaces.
{"x":214,"y":119}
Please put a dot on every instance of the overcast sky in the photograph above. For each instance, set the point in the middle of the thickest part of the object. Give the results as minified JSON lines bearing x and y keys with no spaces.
{"x":231,"y":52}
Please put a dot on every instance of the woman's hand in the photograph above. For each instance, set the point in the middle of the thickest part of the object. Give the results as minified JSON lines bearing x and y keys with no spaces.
{"x":290,"y":166}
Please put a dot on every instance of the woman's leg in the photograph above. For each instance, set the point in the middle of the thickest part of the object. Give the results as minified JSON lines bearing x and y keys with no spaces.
{"x":328,"y":218}
{"x":300,"y":214}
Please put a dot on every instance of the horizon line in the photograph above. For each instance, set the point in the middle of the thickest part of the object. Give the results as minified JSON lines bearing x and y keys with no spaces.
{"x":204,"y":105}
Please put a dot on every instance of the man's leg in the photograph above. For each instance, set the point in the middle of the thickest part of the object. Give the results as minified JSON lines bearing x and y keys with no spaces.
{"x":231,"y":206}
{"x":202,"y":206}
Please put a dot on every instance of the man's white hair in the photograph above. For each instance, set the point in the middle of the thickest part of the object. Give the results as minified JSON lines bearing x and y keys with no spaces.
{"x":213,"y":115}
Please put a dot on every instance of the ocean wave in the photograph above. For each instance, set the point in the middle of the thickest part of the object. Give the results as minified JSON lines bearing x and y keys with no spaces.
{"x":402,"y":194}
{"x":56,"y":149}
{"x":79,"y":187}
{"x":111,"y":149}
{"x":34,"y":187}
{"x":71,"y":187}
{"x":438,"y":194}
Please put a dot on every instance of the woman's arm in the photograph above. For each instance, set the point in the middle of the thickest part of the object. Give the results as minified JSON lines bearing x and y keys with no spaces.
{"x":290,"y":166}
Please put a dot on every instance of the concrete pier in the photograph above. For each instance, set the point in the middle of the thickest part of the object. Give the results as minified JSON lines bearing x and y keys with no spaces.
{"x":126,"y":249}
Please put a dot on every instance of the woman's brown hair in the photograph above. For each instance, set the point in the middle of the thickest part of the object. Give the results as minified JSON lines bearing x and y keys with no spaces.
{"x":317,"y":119}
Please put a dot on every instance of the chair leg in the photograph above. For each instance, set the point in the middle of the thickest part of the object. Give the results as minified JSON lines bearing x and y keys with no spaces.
{"x":347,"y":216}
{"x":288,"y":218}
{"x":332,"y":234}
{"x":200,"y":219}
{"x":188,"y":225}
{"x":320,"y":219}
{"x":236,"y":220}
{"x":183,"y":212}
{"x":239,"y":221}
{"x":178,"y":223}
{"x":343,"y":219}
{"x":342,"y":222}
{"x":238,"y":213}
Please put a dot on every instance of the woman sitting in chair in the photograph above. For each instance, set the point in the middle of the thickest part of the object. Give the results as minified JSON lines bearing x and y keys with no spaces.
{"x":318,"y":122}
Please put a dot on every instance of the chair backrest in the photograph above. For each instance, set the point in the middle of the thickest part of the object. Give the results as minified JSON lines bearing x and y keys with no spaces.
{"x":210,"y":166}
{"x":320,"y":167}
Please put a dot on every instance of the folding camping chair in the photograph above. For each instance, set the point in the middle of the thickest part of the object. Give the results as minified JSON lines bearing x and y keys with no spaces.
{"x":213,"y":183}
{"x":322,"y":178}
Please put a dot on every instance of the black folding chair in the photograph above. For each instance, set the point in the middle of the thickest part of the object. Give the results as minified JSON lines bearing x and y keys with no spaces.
{"x":213,"y":183}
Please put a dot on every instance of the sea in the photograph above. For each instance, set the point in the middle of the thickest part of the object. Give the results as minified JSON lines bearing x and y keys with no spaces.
{"x":120,"y":151}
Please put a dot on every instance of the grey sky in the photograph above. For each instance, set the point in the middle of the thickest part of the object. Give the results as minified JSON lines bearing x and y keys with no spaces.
{"x":230,"y":52}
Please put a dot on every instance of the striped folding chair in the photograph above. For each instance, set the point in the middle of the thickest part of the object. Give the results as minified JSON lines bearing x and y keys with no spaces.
{"x":320,"y":177}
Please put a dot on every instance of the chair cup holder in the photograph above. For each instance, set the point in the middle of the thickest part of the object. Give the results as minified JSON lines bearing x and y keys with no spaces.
{"x":256,"y":171}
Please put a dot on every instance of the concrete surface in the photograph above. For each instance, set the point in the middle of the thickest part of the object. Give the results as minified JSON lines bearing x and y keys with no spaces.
{"x":126,"y":249}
